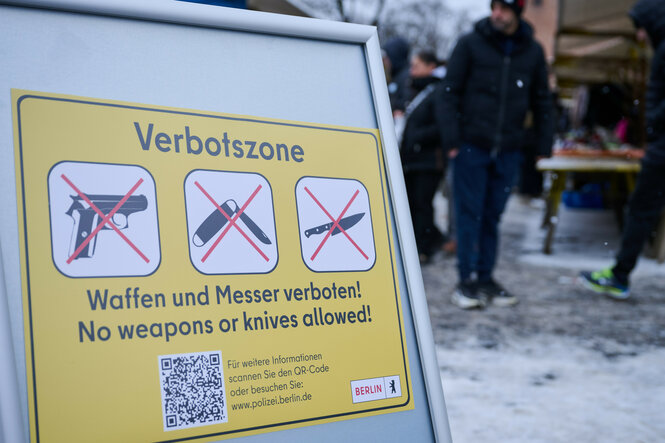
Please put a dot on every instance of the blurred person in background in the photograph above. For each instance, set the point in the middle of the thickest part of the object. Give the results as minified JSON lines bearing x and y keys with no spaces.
{"x":421,"y":153}
{"x":496,"y":74}
{"x":648,"y":199}
{"x":397,"y":51}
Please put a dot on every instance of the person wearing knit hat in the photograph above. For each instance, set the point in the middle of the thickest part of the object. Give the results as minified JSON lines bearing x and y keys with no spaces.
{"x":496,"y":75}
{"x":516,"y":5}
{"x":506,"y":15}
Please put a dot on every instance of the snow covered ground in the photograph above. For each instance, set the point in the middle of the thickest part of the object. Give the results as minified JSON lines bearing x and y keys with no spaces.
{"x":531,"y":391}
{"x":563,"y":365}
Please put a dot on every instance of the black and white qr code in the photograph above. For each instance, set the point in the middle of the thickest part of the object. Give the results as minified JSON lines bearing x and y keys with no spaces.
{"x":192,"y":390}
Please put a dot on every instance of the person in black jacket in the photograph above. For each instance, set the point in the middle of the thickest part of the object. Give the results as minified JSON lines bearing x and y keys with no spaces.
{"x":648,"y":198}
{"x":420,"y":149}
{"x":496,"y":74}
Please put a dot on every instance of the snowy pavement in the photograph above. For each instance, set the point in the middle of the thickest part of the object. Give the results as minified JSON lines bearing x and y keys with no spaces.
{"x":563,"y":365}
{"x":555,"y":392}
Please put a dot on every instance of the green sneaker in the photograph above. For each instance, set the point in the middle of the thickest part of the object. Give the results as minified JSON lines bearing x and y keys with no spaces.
{"x":604,"y":282}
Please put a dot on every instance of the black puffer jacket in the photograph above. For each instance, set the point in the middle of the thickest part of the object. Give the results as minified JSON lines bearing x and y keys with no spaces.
{"x":486,"y":94}
{"x":650,"y":15}
{"x":421,"y":144}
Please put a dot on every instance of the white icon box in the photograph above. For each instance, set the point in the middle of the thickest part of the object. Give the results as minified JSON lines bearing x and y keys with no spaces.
{"x":103,"y":220}
{"x":335,"y":224}
{"x":230,"y":222}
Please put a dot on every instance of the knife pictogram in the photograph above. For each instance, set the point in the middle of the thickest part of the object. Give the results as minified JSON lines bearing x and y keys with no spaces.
{"x":345,"y":223}
{"x":216,"y":221}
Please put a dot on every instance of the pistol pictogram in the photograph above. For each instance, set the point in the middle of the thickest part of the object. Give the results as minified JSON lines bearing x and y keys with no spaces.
{"x":86,"y":218}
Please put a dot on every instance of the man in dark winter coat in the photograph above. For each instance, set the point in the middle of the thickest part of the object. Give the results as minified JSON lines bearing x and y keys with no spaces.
{"x":496,"y":74}
{"x":420,"y":149}
{"x":648,"y":199}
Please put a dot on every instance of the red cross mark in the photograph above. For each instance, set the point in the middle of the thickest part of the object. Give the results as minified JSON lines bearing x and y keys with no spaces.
{"x":335,"y":224}
{"x":105,"y":220}
{"x":232,"y":222}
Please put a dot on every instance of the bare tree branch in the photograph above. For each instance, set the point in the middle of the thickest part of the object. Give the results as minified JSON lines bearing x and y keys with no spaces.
{"x":340,"y":8}
{"x":379,"y":10}
{"x":425,"y":24}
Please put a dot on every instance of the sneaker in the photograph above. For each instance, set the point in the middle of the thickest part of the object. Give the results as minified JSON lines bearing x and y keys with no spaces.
{"x":496,"y":293}
{"x":604,"y":282}
{"x":466,"y":296}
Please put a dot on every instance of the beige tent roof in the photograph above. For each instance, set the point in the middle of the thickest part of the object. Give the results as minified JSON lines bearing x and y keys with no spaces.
{"x":605,"y":14}
{"x":595,"y":43}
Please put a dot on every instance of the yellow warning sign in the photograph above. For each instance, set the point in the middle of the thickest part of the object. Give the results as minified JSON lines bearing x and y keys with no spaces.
{"x":189,"y":274}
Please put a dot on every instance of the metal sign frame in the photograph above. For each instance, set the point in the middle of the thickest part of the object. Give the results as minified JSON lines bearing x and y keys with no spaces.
{"x":14,"y":418}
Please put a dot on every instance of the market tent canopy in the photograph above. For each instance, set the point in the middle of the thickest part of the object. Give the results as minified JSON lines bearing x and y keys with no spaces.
{"x":595,"y":44}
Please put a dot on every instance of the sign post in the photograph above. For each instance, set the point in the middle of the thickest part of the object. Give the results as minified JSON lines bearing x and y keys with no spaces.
{"x":190,"y":273}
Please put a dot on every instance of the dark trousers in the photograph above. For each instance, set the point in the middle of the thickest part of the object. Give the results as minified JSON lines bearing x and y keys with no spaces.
{"x":481,"y":184}
{"x":644,"y":209}
{"x":420,"y":189}
{"x":531,"y":179}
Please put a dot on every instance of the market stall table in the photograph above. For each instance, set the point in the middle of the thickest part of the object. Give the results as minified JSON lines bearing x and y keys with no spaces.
{"x":559,"y":166}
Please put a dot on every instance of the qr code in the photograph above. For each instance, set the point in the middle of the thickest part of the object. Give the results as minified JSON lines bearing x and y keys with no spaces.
{"x":192,"y":390}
